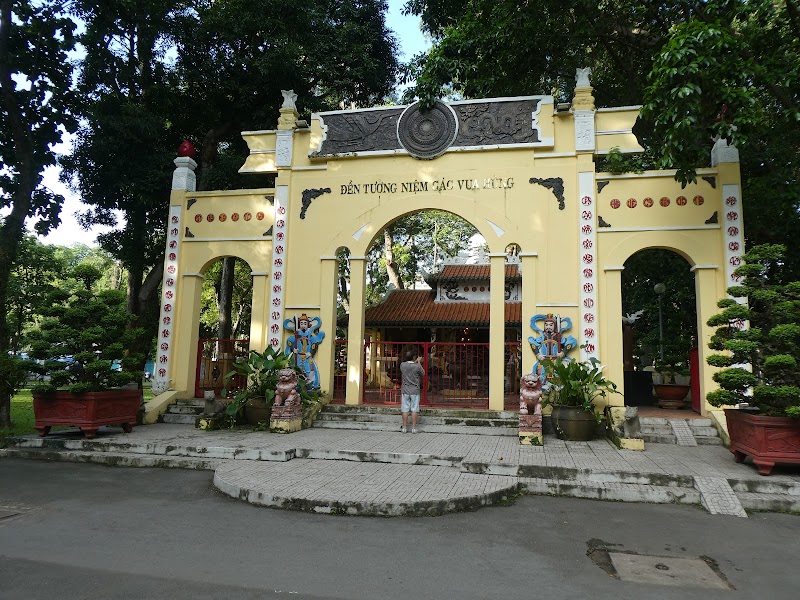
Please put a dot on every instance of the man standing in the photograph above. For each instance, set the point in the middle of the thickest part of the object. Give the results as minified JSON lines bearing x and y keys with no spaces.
{"x":412,"y":373}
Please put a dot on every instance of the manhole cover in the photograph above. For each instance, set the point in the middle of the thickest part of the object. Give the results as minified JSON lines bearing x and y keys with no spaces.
{"x":665,"y":570}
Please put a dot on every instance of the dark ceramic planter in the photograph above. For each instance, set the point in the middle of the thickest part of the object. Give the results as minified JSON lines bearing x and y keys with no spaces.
{"x":88,"y":411}
{"x":256,"y":410}
{"x":768,"y":440}
{"x":573,"y":423}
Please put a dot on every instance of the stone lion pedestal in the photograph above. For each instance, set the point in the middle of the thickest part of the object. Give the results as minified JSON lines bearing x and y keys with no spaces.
{"x":287,"y":410}
{"x":530,"y":430}
{"x":286,"y":419}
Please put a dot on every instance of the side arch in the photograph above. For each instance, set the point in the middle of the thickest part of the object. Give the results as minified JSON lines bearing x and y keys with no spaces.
{"x":702,"y":249}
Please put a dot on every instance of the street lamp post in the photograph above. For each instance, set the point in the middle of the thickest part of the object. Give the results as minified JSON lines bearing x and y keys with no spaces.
{"x":659,"y":289}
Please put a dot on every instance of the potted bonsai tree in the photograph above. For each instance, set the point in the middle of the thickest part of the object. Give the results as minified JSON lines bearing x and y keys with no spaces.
{"x":671,"y":381}
{"x":81,"y":341}
{"x":573,"y":388}
{"x":760,"y":364}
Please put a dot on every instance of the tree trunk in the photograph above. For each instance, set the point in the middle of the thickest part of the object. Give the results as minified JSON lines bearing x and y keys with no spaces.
{"x":13,"y":226}
{"x":225,"y":298}
{"x":391,"y":268}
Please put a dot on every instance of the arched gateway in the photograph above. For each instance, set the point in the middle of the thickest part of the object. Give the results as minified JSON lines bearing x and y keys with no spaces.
{"x":521,"y":170}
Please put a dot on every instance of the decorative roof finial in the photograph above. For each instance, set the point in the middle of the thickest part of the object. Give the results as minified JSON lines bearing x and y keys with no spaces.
{"x":289,"y":99}
{"x":582,"y":77}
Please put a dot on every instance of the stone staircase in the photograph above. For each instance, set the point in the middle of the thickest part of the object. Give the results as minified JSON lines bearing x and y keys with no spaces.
{"x":183,"y":411}
{"x":431,"y":420}
{"x":661,"y":430}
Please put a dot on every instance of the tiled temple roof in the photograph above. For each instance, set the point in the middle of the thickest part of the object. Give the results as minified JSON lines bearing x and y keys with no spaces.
{"x":416,"y":308}
{"x":472,"y":272}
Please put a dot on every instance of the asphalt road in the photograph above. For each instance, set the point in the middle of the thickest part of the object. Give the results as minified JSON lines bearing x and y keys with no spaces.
{"x":94,"y":532}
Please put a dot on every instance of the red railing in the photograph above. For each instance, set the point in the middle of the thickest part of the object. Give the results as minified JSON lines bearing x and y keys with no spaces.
{"x":456,"y":373}
{"x":215,"y":358}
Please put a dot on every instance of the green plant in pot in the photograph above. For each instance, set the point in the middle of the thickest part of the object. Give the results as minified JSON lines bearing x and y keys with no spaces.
{"x":671,"y":381}
{"x":259,"y":377}
{"x":254,"y":399}
{"x":760,"y":362}
{"x":82,"y":342}
{"x":573,"y":388}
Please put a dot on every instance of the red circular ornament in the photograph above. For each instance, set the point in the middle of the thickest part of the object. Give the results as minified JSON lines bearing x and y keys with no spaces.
{"x":247,"y":216}
{"x":209,"y":217}
{"x":664,"y":201}
{"x":631,"y":203}
{"x":223,"y":217}
{"x":615,"y":203}
{"x":648,"y":202}
{"x":483,"y":289}
{"x":198,"y":218}
{"x":260,"y":216}
{"x":474,"y":288}
{"x":698,"y":200}
{"x":186,"y":149}
{"x":680,"y":200}
{"x":234,"y":216}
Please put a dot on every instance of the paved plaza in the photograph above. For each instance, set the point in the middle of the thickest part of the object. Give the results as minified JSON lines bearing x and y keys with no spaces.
{"x":392,"y":474}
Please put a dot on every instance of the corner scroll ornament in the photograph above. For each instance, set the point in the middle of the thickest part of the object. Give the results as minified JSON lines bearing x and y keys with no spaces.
{"x":309,"y":196}
{"x":555,"y":185}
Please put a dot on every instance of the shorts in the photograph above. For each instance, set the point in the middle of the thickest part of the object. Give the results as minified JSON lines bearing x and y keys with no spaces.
{"x":409,"y":403}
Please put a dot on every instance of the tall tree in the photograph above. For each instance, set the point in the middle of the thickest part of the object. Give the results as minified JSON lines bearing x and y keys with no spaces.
{"x":728,"y":68}
{"x":329,"y":53}
{"x":121,"y":161}
{"x":35,"y":111}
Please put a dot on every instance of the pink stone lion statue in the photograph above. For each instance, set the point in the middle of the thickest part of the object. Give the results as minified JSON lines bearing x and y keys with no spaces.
{"x":530,"y":394}
{"x":286,"y":390}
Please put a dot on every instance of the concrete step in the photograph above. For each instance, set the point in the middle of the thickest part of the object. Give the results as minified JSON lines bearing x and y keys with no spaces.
{"x":424,"y":419}
{"x":708,"y":441}
{"x":184,"y":410}
{"x":657,"y":429}
{"x":116,"y":459}
{"x":178,"y":418}
{"x":423,"y":428}
{"x":657,"y":438}
{"x":769,"y":502}
{"x":445,"y":412}
{"x":619,"y":492}
{"x":431,"y":420}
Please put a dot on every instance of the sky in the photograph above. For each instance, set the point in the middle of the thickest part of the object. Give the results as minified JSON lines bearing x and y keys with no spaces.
{"x":410,"y":37}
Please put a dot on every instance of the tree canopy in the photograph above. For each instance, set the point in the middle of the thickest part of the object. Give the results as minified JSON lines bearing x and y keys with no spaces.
{"x":36,"y":109}
{"x":702,"y":69}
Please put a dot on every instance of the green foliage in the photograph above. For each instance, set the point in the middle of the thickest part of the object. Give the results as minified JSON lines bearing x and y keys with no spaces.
{"x":642,"y":272}
{"x":83,"y":336}
{"x":260,"y":370}
{"x":241,"y":301}
{"x":616,"y":162}
{"x":576,"y":383}
{"x":703,"y":69}
{"x":13,"y":374}
{"x":419,"y":243}
{"x":771,"y":346}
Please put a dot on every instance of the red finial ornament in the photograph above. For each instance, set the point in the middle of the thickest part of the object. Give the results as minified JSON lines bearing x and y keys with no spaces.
{"x":186,"y":149}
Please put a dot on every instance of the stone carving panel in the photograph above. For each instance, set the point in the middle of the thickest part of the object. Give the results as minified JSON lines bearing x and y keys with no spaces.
{"x":427,"y":134}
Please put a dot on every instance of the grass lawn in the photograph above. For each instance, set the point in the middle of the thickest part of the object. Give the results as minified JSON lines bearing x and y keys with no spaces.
{"x":22,"y":413}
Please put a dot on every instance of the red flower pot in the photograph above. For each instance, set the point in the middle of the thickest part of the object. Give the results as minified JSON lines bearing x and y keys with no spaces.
{"x":768,"y":440}
{"x":88,"y":411}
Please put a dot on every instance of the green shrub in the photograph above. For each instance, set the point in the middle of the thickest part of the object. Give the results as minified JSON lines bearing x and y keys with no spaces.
{"x":771,"y":344}
{"x":83,"y":336}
